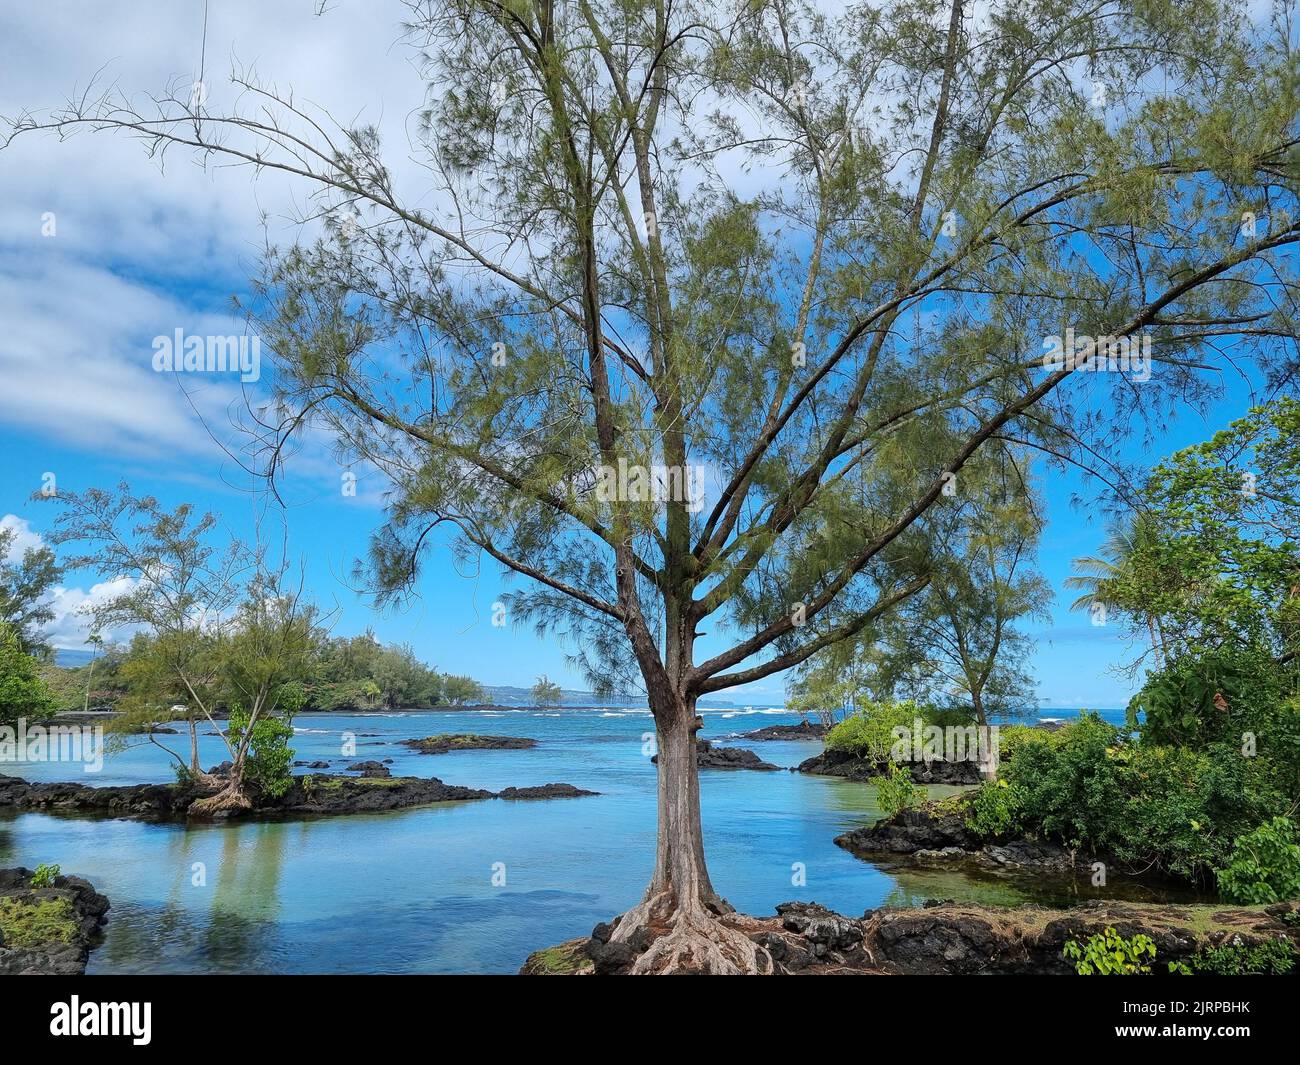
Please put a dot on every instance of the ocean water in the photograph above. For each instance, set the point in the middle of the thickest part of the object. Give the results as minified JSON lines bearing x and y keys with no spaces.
{"x":468,"y":887}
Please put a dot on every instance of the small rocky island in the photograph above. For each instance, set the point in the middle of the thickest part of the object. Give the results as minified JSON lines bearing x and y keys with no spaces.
{"x":959,"y":939}
{"x":311,"y":795}
{"x":48,"y":930}
{"x":707,"y":756}
{"x":804,"y":730}
{"x":852,"y":767}
{"x":465,"y":741}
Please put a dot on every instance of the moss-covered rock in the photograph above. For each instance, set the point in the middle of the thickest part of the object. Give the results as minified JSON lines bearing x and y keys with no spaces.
{"x":566,"y":959}
{"x":47,"y":930}
{"x":467,"y":741}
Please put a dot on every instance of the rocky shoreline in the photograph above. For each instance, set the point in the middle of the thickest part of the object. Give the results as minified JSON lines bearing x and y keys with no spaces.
{"x":852,"y":767}
{"x":312,"y":795}
{"x":953,"y":939}
{"x":48,"y":931}
{"x":936,"y":835}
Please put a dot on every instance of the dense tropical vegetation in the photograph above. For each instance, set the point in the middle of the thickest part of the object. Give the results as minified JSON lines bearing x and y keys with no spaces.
{"x":1205,"y":780}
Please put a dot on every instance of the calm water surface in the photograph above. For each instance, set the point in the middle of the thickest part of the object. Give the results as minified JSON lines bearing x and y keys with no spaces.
{"x":413,"y":891}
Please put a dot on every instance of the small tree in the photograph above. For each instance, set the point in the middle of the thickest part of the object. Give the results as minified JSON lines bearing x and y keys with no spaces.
{"x":958,"y":643}
{"x":97,"y":642}
{"x":170,"y":676}
{"x":263,"y":657}
{"x":546,"y":692}
{"x":461,"y":691}
{"x":181,"y":586}
{"x":834,"y":683}
{"x":207,"y":646}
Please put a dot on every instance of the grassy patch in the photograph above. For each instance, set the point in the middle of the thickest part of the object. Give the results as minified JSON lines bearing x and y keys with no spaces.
{"x":320,"y":784}
{"x":33,"y":923}
{"x":557,"y":961}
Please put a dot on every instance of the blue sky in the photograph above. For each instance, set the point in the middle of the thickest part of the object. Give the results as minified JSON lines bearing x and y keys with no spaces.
{"x":136,"y":252}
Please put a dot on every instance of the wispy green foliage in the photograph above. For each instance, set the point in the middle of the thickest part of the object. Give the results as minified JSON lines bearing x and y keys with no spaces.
{"x":546,"y":692}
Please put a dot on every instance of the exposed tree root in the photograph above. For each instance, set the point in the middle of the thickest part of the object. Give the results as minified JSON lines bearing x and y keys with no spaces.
{"x":691,"y":937}
{"x":230,"y":798}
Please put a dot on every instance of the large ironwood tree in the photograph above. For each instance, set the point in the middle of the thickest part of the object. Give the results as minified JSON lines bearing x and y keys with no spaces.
{"x":811,"y":253}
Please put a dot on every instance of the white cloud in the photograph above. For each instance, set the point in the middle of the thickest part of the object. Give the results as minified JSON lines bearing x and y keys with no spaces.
{"x":71,"y":605}
{"x":81,"y":307}
{"x":75,"y":357}
{"x":26,"y":538}
{"x":72,"y":613}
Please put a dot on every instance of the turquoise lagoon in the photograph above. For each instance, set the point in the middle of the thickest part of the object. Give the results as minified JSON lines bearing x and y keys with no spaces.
{"x":467,"y":887}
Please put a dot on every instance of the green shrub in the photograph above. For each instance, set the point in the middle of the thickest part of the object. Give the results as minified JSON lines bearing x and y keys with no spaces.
{"x":270,"y":758}
{"x":1012,"y":737}
{"x":895,"y":790}
{"x":1072,"y":788}
{"x":1143,"y":804}
{"x":994,"y":810}
{"x":23,"y":693}
{"x":1184,"y":808}
{"x":1213,"y":697}
{"x":870,"y":732}
{"x":1273,"y":957}
{"x":45,"y":876}
{"x":1110,"y":954}
{"x":1235,"y":698}
{"x":1264,"y":865}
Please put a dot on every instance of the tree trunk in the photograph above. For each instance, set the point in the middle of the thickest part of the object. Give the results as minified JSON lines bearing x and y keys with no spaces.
{"x":988,"y":764}
{"x":196,"y":773}
{"x":90,"y":676}
{"x":690,"y":927}
{"x":231,"y":795}
{"x":1157,"y":644}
